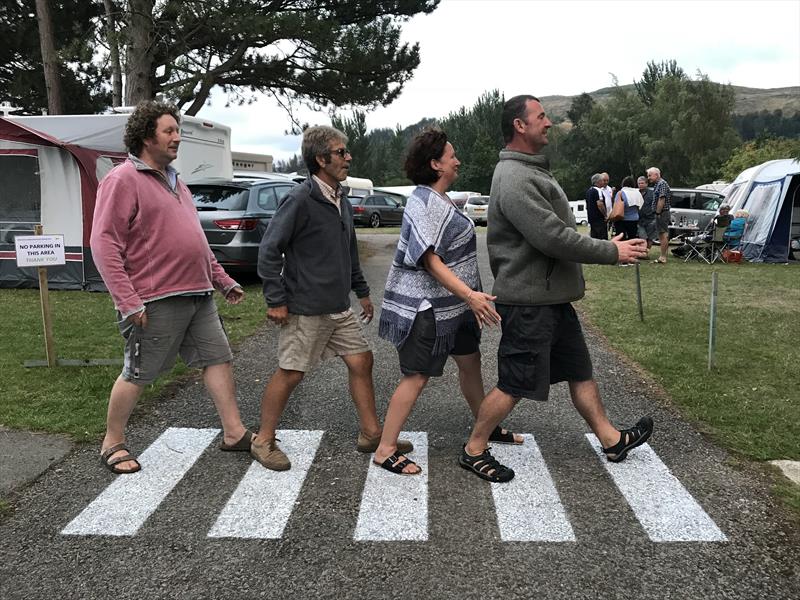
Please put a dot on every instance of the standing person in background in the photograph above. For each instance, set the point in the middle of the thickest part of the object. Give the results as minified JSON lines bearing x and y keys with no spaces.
{"x":648,"y":229}
{"x":631,"y":199}
{"x":662,"y":196}
{"x":536,"y":253}
{"x":156,"y":263}
{"x":434,"y":305}
{"x":596,"y":209}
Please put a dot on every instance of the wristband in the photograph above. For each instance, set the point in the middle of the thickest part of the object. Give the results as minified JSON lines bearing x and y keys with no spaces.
{"x":469,"y":296}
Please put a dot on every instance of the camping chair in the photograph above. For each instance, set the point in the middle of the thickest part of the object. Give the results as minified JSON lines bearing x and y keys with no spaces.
{"x":718,"y":244}
{"x":698,"y":248}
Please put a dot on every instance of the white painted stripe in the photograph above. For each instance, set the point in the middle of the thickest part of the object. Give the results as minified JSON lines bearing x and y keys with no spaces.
{"x":263,"y":501}
{"x":395,"y":507}
{"x":528,"y":507}
{"x":125,"y":505}
{"x":662,"y":505}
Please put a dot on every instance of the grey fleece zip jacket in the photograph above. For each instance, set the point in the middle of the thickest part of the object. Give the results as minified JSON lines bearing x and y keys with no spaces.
{"x":308,"y":257}
{"x":535,"y":251}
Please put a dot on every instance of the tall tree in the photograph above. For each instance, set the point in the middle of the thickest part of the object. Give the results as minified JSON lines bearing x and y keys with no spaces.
{"x":50,"y":61}
{"x":327,"y":53}
{"x":581,"y":106}
{"x":21,"y":70}
{"x":655,"y":72}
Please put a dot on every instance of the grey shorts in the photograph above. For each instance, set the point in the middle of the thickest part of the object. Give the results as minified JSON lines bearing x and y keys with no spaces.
{"x":648,"y":230}
{"x":540,"y":345}
{"x":305,"y":340}
{"x":663,"y":221}
{"x":188,"y":326}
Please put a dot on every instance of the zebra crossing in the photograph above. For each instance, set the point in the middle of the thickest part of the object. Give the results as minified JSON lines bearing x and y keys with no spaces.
{"x":392,"y":508}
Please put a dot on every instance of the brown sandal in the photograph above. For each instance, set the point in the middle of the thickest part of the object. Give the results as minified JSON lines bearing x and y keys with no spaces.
{"x":111,"y":465}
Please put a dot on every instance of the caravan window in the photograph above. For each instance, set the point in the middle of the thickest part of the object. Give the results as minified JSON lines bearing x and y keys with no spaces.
{"x":21,"y":208}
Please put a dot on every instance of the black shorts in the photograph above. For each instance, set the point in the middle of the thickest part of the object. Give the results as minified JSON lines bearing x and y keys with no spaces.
{"x":540,"y":345}
{"x":416,"y":352}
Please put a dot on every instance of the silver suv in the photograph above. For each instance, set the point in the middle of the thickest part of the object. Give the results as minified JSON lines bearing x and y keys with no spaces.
{"x":692,"y":207}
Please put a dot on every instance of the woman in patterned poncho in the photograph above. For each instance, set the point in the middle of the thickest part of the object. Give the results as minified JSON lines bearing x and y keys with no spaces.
{"x":433,"y":305}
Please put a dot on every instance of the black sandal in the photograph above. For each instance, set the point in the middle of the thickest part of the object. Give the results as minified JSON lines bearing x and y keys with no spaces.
{"x":396,"y":466}
{"x":111,"y":465}
{"x":485,"y":466}
{"x":498,"y":437}
{"x":629,"y":439}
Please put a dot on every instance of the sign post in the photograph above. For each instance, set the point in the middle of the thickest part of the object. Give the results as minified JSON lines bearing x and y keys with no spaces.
{"x":40,"y":251}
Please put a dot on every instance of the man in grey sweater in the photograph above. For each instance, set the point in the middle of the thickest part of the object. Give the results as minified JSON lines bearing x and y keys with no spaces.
{"x":535,"y":254}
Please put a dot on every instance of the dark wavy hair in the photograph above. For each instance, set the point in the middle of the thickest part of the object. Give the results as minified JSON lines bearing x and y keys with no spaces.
{"x":426,"y":146}
{"x":142,"y":123}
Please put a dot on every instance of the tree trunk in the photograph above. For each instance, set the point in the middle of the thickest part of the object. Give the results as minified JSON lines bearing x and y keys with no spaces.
{"x":139,"y":69}
{"x":49,"y":57}
{"x":113,"y":56}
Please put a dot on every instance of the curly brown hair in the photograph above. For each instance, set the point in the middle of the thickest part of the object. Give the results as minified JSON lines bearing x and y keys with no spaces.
{"x":141,"y":124}
{"x":425,"y":147}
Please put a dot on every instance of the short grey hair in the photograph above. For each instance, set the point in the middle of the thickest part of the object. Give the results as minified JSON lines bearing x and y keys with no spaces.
{"x":655,"y":170}
{"x":641,"y":178}
{"x":596,"y":178}
{"x":316,"y":142}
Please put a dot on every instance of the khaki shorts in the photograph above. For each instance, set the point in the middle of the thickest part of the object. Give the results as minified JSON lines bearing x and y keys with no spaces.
{"x":185,"y":325}
{"x":663,"y":221}
{"x":306,"y":340}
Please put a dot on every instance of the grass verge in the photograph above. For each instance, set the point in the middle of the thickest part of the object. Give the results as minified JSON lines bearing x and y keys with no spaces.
{"x":748,"y":402}
{"x":73,"y":400}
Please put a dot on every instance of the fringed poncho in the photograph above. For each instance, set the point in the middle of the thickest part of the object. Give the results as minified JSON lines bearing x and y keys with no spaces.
{"x":429,"y":222}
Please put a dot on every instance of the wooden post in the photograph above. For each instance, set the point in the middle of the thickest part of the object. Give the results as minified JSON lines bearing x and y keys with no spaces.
{"x":712,"y":324}
{"x":639,"y":294}
{"x":49,"y":344}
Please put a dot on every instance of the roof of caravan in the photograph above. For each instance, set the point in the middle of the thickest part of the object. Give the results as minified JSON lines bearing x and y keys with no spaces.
{"x":98,"y":132}
{"x":770,"y":170}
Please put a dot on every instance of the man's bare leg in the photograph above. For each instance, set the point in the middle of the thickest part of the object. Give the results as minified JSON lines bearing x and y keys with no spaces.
{"x":273,"y":401}
{"x":495,"y":407}
{"x":220,"y":384}
{"x":586,"y":398}
{"x":663,"y":240}
{"x":122,"y":401}
{"x":362,"y":391}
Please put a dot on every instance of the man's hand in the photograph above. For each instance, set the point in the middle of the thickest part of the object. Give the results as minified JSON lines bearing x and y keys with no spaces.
{"x":630,"y":251}
{"x":234,"y":295}
{"x":278,"y":314}
{"x":367,"y":310}
{"x":139,"y":319}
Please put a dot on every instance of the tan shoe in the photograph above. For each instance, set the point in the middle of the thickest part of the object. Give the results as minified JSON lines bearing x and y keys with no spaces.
{"x":269,"y":455}
{"x":368,"y":444}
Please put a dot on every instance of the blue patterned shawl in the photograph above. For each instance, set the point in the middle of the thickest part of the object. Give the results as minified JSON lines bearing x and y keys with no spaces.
{"x":429,"y":222}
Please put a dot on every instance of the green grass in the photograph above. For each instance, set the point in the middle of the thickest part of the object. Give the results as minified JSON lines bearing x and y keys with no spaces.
{"x":749,"y":401}
{"x":73,"y":400}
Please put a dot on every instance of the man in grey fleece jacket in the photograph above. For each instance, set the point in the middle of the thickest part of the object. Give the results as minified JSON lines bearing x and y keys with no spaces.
{"x":536,"y":253}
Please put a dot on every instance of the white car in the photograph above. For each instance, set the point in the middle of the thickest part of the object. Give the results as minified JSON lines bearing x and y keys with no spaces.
{"x":477,"y":209}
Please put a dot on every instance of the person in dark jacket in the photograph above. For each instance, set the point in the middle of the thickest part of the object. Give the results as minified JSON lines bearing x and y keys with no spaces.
{"x":596,"y":209}
{"x":308,"y":261}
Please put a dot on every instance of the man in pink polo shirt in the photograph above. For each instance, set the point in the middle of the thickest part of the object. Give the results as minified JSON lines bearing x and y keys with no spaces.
{"x":150,"y":250}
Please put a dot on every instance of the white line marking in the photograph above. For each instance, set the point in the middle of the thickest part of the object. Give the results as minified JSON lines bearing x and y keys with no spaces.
{"x":395,"y":507}
{"x":263,"y":501}
{"x":528,"y":507}
{"x":667,"y":512}
{"x":123,"y":507}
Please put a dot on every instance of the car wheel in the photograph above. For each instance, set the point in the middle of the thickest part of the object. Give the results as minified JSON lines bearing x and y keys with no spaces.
{"x":584,"y":222}
{"x":374,"y":220}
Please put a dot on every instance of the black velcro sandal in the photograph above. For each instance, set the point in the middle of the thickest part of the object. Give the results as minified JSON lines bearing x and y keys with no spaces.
{"x":396,"y":466}
{"x":629,"y":439}
{"x":498,"y":436}
{"x":485,"y":466}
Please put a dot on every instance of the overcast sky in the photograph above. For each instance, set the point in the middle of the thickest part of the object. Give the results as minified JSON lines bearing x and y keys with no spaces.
{"x":563,"y":47}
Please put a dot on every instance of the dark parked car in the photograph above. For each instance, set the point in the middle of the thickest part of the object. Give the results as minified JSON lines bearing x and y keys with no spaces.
{"x":376,"y":210}
{"x":235,"y":214}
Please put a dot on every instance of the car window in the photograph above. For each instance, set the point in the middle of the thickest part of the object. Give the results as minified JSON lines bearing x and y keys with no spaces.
{"x":213,"y":197}
{"x":681,"y":199}
{"x":282,"y":190}
{"x":267,"y":199}
{"x":708,"y":201}
{"x":354,"y":200}
{"x":391,"y":202}
{"x":478,"y":201}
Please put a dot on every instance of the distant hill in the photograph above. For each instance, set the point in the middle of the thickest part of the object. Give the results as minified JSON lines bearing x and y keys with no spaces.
{"x":748,"y":100}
